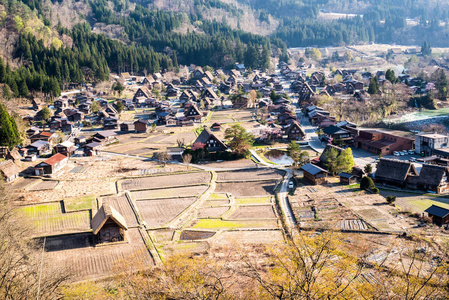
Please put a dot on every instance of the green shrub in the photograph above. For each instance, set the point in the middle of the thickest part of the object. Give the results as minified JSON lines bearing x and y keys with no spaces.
{"x":367,"y":183}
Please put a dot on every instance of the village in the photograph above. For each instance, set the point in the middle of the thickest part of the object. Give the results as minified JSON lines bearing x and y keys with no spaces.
{"x":156,"y":165}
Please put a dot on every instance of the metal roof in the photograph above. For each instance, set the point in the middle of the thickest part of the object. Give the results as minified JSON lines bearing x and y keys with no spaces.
{"x":437,"y":211}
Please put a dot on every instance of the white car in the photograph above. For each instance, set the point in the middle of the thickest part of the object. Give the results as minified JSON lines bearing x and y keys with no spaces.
{"x":411,"y":151}
{"x":412,"y":159}
{"x":290,"y":185}
{"x":396,"y":153}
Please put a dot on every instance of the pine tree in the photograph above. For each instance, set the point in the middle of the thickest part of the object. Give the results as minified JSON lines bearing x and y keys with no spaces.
{"x":373,"y":86}
{"x":9,"y":134}
{"x":6,"y":92}
{"x":23,"y":88}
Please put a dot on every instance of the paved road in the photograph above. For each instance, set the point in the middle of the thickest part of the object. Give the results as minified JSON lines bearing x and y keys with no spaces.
{"x":285,"y":204}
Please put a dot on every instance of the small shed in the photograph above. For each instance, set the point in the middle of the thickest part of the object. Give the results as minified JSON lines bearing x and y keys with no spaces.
{"x":127,"y":127}
{"x":109,"y":225}
{"x":347,"y":178}
{"x":314,"y":174}
{"x":141,"y":125}
{"x":438,"y":214}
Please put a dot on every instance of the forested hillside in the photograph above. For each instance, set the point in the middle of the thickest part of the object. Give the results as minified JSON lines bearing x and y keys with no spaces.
{"x":44,"y":50}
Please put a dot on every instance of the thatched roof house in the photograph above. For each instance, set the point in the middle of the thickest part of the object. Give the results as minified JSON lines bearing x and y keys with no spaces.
{"x":395,"y":172}
{"x":433,"y":178}
{"x":211,"y":141}
{"x":109,"y":225}
{"x":9,"y":171}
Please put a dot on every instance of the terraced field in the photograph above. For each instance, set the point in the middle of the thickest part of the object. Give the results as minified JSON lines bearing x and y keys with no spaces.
{"x":49,"y":219}
{"x":247,"y":189}
{"x":93,"y":262}
{"x":250,"y":175}
{"x":159,"y":212}
{"x":192,"y":191}
{"x":155,"y":182}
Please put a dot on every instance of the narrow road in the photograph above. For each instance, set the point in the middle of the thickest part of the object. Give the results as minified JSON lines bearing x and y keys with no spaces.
{"x":285,"y":204}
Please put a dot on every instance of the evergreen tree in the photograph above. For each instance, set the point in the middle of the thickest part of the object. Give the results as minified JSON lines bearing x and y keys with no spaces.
{"x":9,"y":134}
{"x":373,"y":86}
{"x":425,"y":49}
{"x":6,"y":92}
{"x":23,"y":88}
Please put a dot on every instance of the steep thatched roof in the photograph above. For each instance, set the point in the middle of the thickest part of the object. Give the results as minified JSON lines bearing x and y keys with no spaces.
{"x":8,"y":169}
{"x":432,"y":175}
{"x":105,"y":213}
{"x":394,"y":170}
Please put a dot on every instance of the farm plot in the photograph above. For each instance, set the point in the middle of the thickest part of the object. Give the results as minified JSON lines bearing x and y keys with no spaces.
{"x":166,"y":181}
{"x":249,"y":237}
{"x":83,"y":203}
{"x":191,"y":235}
{"x":241,"y":163}
{"x":234,"y":224}
{"x":49,"y":219}
{"x":159,"y":212}
{"x":253,"y":200}
{"x":44,"y":185}
{"x":213,"y":203}
{"x":191,"y":191}
{"x":247,"y":189}
{"x":353,"y":225}
{"x":212,"y":212}
{"x":22,"y":184}
{"x":185,"y":248}
{"x":122,"y":205}
{"x":254,"y":212}
{"x":87,"y":263}
{"x":250,"y":175}
{"x":162,"y":235}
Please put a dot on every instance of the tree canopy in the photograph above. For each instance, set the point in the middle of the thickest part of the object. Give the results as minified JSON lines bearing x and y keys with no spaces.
{"x":9,"y":133}
{"x":238,"y":139}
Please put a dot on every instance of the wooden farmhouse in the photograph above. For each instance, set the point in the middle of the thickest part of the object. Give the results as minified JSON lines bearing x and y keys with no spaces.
{"x":9,"y":171}
{"x":52,"y":165}
{"x":395,"y":172}
{"x":433,"y":178}
{"x":294,"y":131}
{"x":212,"y":143}
{"x":108,"y":225}
{"x":314,"y":174}
{"x":438,"y":214}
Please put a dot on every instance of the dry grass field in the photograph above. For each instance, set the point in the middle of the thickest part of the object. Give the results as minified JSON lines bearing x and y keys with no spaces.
{"x":155,"y":182}
{"x":85,"y":262}
{"x":191,"y":191}
{"x":247,"y":189}
{"x":251,"y":175}
{"x":212,"y":212}
{"x":156,"y":213}
{"x":254,"y":212}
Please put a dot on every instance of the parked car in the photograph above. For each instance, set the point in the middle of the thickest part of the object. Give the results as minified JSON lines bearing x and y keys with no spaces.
{"x":411,"y":151}
{"x":396,"y":153}
{"x":290,"y":185}
{"x":403,"y":152}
